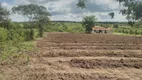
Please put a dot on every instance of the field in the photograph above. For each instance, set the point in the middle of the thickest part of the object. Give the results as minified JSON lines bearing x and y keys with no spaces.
{"x":67,"y":51}
{"x":66,"y":56}
{"x":74,"y":56}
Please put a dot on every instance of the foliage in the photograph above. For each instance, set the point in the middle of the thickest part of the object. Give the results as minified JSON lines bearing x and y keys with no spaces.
{"x":131,"y":8}
{"x":3,"y":34}
{"x":138,"y":24}
{"x":35,"y":13}
{"x":13,"y":36}
{"x":42,"y":18}
{"x":64,"y":27}
{"x":115,"y":25}
{"x":4,"y":17}
{"x":128,"y":30}
{"x":11,"y":41}
{"x":81,"y":4}
{"x":3,"y":14}
{"x":12,"y":51}
{"x":111,"y":14}
{"x":89,"y":22}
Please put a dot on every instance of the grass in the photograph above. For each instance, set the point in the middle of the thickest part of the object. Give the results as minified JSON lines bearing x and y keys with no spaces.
{"x":13,"y":57}
{"x":116,"y":33}
{"x":29,"y":45}
{"x":14,"y":53}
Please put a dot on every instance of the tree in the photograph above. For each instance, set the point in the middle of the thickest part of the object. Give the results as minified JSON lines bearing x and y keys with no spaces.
{"x":34,"y":13}
{"x":29,"y":12}
{"x":131,"y":8}
{"x":81,"y":4}
{"x":111,"y":14}
{"x":138,"y":24}
{"x":42,"y":18}
{"x":89,"y":22}
{"x":4,"y":17}
{"x":115,"y":25}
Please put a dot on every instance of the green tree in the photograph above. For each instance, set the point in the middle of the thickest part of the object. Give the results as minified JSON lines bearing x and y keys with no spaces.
{"x":115,"y":25}
{"x":89,"y":22}
{"x":34,"y":13}
{"x":138,"y":24}
{"x":81,"y":3}
{"x":27,"y":11}
{"x":42,"y":18}
{"x":111,"y":14}
{"x":131,"y":8}
{"x":4,"y":17}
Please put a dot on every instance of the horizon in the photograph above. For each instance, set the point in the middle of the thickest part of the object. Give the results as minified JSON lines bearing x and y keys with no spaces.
{"x":81,"y":21}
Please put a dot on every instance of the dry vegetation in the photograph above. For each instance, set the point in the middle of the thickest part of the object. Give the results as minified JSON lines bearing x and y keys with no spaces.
{"x":68,"y":56}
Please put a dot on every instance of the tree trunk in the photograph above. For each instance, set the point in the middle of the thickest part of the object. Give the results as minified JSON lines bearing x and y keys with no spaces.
{"x":40,"y":30}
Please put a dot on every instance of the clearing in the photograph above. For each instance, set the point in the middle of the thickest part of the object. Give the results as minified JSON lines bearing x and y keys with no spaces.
{"x":71,"y":56}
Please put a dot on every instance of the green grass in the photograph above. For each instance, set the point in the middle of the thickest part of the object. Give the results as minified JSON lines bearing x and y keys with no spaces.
{"x":14,"y":52}
{"x":115,"y":33}
{"x":127,"y":30}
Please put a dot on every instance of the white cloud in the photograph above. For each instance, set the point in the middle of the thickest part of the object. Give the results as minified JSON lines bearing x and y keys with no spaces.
{"x":112,"y":4}
{"x":67,"y":9}
{"x":4,"y":4}
{"x":21,"y":2}
{"x":17,"y":18}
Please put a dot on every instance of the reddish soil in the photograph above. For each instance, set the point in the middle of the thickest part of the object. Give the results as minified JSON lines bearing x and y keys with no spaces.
{"x":69,"y":56}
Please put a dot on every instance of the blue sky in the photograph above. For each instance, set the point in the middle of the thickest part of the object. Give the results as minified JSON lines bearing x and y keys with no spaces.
{"x":8,"y":1}
{"x":67,"y":10}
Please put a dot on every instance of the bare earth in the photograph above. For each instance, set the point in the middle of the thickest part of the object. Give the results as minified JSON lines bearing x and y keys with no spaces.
{"x":68,"y":56}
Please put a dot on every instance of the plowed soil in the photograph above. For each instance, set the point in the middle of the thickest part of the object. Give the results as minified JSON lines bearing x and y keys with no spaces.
{"x":70,"y":56}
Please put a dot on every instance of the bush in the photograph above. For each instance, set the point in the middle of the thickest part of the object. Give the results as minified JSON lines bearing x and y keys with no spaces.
{"x":141,"y":32}
{"x":131,"y":32}
{"x":11,"y":42}
{"x":126,"y":31}
{"x":115,"y":26}
{"x":138,"y":24}
{"x":27,"y":35}
{"x":3,"y":35}
{"x":65,"y":27}
{"x":16,"y":35}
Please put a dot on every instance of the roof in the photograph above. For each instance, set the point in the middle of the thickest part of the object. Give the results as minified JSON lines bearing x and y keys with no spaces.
{"x":100,"y":28}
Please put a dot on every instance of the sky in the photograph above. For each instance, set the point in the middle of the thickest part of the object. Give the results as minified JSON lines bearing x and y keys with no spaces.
{"x":66,"y":10}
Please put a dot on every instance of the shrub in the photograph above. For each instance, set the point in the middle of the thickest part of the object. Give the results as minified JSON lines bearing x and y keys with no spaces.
{"x":115,"y":26}
{"x":3,"y":34}
{"x":131,"y":32}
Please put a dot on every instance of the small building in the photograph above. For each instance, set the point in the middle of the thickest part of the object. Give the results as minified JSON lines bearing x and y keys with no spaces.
{"x":99,"y":29}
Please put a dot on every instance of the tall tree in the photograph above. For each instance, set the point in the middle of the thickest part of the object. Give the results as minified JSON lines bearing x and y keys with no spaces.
{"x":89,"y":22}
{"x":42,"y":18}
{"x":4,"y":17}
{"x":131,"y":8}
{"x":34,"y":13}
